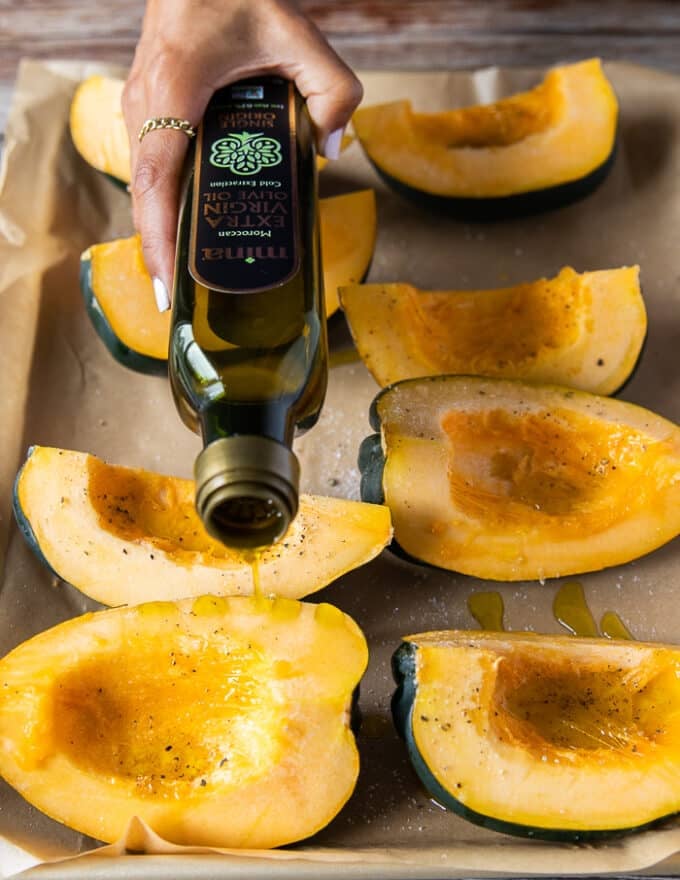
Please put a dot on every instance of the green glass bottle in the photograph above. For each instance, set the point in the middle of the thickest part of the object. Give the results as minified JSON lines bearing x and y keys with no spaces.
{"x":249,"y":354}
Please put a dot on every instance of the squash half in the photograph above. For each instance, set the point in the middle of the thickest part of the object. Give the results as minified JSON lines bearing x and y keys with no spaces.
{"x":118,"y":294}
{"x":124,"y":536}
{"x":582,"y":330}
{"x":219,"y":722}
{"x":552,"y":737}
{"x":99,"y":133}
{"x":509,"y":481}
{"x":530,"y":152}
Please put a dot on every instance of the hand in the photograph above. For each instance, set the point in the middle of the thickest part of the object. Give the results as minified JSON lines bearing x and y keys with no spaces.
{"x":187,"y":50}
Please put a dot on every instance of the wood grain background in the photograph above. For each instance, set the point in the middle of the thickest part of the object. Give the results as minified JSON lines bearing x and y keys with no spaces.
{"x":418,"y":34}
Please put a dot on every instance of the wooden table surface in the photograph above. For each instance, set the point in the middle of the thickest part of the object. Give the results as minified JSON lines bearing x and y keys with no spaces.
{"x":406,"y":34}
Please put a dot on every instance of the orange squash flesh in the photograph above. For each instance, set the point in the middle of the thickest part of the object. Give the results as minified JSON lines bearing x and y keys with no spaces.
{"x":124,"y":535}
{"x":99,"y":132}
{"x":549,"y":142}
{"x":582,"y":330}
{"x":98,"y":128}
{"x":116,"y":284}
{"x":510,"y":481}
{"x":218,"y":722}
{"x":348,"y":232}
{"x":125,"y":296}
{"x":543,"y":736}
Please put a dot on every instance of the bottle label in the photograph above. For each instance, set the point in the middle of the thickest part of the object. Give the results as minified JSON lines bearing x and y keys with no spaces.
{"x":244,"y":224}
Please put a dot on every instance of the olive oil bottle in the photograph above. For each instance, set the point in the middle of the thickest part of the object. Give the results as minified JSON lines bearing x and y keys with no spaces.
{"x":249,"y":354}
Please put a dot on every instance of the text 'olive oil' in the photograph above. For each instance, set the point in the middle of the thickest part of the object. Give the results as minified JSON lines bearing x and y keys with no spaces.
{"x":249,"y":355}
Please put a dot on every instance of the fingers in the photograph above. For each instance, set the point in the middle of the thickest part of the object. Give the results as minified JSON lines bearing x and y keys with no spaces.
{"x":181,"y":60}
{"x":332,"y":91}
{"x":156,"y":165}
{"x":283,"y":41}
{"x":155,"y":196}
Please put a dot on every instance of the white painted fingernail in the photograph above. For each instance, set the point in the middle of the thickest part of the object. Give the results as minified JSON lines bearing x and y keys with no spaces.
{"x":160,"y":291}
{"x":333,"y":143}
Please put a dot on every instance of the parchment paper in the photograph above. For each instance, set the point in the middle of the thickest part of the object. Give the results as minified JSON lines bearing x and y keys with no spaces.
{"x":61,"y":387}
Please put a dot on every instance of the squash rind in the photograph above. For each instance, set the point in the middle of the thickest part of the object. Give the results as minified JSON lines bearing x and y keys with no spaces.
{"x":117,"y":182}
{"x":406,"y":670}
{"x":25,"y":526}
{"x":620,"y":521}
{"x":495,"y":209}
{"x":371,"y":463}
{"x":156,"y":547}
{"x":310,"y":656}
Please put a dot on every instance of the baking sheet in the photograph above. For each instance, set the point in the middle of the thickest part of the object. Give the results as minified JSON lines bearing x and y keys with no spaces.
{"x":62,"y":388}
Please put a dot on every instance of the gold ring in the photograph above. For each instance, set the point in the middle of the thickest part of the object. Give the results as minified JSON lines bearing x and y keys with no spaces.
{"x":158,"y":122}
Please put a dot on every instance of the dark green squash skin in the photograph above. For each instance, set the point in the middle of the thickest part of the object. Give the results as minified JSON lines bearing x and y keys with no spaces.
{"x":23,"y":523}
{"x":405,"y":675}
{"x":140,"y":363}
{"x":117,"y":182}
{"x":371,"y":464}
{"x":486,"y":210}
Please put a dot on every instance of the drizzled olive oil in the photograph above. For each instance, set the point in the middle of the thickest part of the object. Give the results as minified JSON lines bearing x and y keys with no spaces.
{"x":571,"y":610}
{"x":249,"y":354}
{"x":252,"y":557}
{"x":612,"y":627}
{"x":488,"y":610}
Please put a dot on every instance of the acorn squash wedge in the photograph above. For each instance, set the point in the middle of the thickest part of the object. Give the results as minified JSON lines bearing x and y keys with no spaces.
{"x":98,"y":128}
{"x":582,"y":330}
{"x":99,"y":133}
{"x":530,"y":152}
{"x":219,"y":722}
{"x":122,"y":535}
{"x":348,"y":231}
{"x":505,"y":480}
{"x":552,"y":737}
{"x":118,"y":294}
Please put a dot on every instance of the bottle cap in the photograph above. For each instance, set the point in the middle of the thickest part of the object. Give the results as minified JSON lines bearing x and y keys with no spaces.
{"x":247,"y":490}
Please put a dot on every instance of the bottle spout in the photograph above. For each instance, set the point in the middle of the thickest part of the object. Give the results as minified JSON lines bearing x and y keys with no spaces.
{"x":247,"y":490}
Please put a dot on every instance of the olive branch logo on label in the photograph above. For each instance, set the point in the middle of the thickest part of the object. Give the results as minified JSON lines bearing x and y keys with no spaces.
{"x":245,"y":153}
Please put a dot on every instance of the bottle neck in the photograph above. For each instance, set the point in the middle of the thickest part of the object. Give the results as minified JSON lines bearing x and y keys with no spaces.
{"x":219,"y":420}
{"x":247,"y":490}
